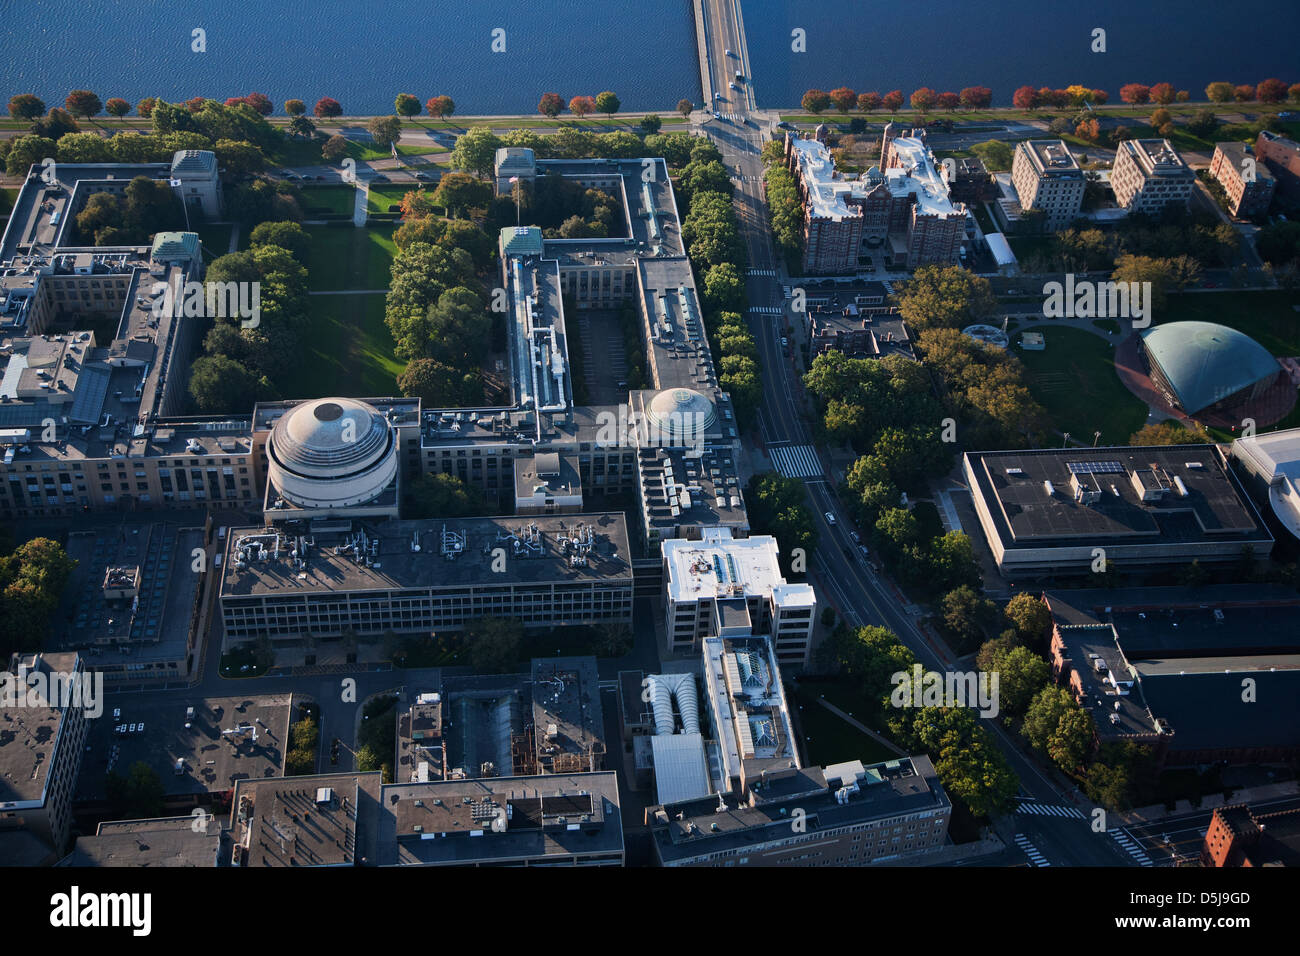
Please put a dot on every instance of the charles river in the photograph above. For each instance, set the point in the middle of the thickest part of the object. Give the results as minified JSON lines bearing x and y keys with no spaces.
{"x":364,"y":52}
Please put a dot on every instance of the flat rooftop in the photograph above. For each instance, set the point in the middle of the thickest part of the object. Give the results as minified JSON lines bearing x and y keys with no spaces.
{"x":1062,"y":496}
{"x":452,"y":822}
{"x":1052,"y":158}
{"x":30,"y":735}
{"x":685,"y":830}
{"x":229,"y":739}
{"x":163,"y":842}
{"x":322,"y":820}
{"x":455,"y":553}
{"x":566,"y":700}
{"x":710,"y":482}
{"x":151,"y":627}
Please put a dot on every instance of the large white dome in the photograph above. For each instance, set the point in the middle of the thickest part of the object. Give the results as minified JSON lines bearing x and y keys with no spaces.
{"x":331,"y":452}
{"x":681,"y":413}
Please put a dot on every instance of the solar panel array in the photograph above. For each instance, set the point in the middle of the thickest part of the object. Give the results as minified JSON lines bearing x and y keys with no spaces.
{"x":1095,"y":467}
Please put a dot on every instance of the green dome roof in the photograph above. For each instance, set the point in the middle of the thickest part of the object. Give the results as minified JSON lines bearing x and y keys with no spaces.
{"x":1205,"y":363}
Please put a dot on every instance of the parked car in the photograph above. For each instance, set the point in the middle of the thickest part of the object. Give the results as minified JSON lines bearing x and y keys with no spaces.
{"x":857,"y":538}
{"x":830,"y":518}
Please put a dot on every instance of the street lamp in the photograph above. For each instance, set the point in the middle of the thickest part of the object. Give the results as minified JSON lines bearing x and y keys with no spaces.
{"x":1095,"y":437}
{"x":1066,"y":440}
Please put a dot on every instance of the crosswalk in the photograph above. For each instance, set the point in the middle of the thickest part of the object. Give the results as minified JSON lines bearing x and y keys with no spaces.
{"x":762,"y":272}
{"x":796,"y":461}
{"x":1131,"y":847}
{"x":1049,"y":810}
{"x":766,"y":309}
{"x":730,"y":117}
{"x":1031,"y":851}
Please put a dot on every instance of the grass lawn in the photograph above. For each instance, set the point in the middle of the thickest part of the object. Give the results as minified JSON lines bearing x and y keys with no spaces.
{"x":337,"y":200}
{"x":1074,"y":379}
{"x":345,"y":257}
{"x":827,"y":738}
{"x":349,"y":350}
{"x":215,"y":239}
{"x":386,"y":194}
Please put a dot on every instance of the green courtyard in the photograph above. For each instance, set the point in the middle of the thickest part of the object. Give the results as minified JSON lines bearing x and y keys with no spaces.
{"x":345,"y":257}
{"x":349,"y":351}
{"x":1074,"y":379}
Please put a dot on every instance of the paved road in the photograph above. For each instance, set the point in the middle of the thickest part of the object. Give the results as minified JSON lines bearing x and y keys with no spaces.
{"x":861,"y":596}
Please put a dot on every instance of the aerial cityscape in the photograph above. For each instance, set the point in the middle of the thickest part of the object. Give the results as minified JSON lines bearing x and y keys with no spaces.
{"x":710,"y":465}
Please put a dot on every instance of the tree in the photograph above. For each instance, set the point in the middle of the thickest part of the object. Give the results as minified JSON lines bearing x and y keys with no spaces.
{"x":476,"y":150}
{"x":1021,"y":675}
{"x":327,"y":107}
{"x":494,"y":644}
{"x":976,"y":97}
{"x":440,"y":495}
{"x":1025,"y":98}
{"x":1271,"y":91}
{"x":607,"y":103}
{"x":440,"y":107}
{"x":923,"y":99}
{"x":406,"y":105}
{"x":1170,"y":433}
{"x":969,"y":764}
{"x":1163,"y":94}
{"x":1160,"y":117}
{"x":1135,"y":94}
{"x":32,"y":581}
{"x":1203,"y":124}
{"x":869,"y":102}
{"x":440,"y":385}
{"x":301,"y":126}
{"x":117,"y":107}
{"x":724,"y":289}
{"x":83,"y":103}
{"x":84,"y":148}
{"x":458,"y":192}
{"x":336,"y":147}
{"x":1164,"y":274}
{"x":892,"y":100}
{"x":295,"y":107}
{"x":1243,"y":93}
{"x":26,"y":151}
{"x":145,"y":107}
{"x":1030,"y":617}
{"x":221,"y":384}
{"x":685,"y":107}
{"x":1219,"y":92}
{"x":581,"y":106}
{"x":550,"y":105}
{"x":843,"y":98}
{"x":1057,"y":726}
{"x":651,"y":123}
{"x":55,"y":124}
{"x":995,"y":154}
{"x":945,"y":297}
{"x":1100,"y":97}
{"x":968,"y":617}
{"x":25,"y":106}
{"x":138,"y":795}
{"x":816,"y":101}
{"x":778,"y":506}
{"x":286,"y":235}
{"x":384,"y":130}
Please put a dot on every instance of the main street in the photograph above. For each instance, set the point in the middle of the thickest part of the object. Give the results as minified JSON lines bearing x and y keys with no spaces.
{"x":861,"y":596}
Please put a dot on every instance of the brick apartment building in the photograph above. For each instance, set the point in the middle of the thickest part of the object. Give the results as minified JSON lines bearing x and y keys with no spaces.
{"x":901,"y":209}
{"x":1282,"y":157}
{"x":1248,"y":182}
{"x":1240,"y":837}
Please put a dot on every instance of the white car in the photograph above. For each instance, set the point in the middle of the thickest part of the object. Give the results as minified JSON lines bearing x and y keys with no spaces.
{"x":830,"y":518}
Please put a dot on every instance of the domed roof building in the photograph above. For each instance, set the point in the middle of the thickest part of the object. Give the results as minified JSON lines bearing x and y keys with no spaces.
{"x":680,"y":415}
{"x":331,"y":453}
{"x":1201,"y":364}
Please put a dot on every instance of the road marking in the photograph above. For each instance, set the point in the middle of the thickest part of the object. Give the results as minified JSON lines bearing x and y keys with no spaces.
{"x":767,"y":309}
{"x":1031,"y":851}
{"x":1131,"y":847}
{"x":796,"y":461}
{"x":1050,"y":810}
{"x":762,"y":272}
